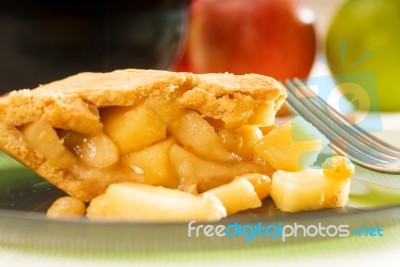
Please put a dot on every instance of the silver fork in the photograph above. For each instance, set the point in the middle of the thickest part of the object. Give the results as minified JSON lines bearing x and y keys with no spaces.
{"x":346,"y":138}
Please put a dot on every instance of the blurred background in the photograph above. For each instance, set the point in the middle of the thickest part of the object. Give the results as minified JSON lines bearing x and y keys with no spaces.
{"x":42,"y":41}
{"x":351,"y":40}
{"x":324,"y":12}
{"x":45,"y":40}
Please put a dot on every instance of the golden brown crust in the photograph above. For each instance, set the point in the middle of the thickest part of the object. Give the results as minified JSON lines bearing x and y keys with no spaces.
{"x":73,"y":103}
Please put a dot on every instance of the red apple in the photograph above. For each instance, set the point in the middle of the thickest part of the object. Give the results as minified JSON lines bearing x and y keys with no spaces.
{"x":271,"y":37}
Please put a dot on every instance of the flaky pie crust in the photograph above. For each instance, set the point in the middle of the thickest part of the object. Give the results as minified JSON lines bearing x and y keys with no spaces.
{"x":73,"y":103}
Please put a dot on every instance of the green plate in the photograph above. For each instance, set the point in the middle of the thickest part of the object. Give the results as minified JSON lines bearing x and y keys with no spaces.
{"x":24,"y":197}
{"x":374,"y":204}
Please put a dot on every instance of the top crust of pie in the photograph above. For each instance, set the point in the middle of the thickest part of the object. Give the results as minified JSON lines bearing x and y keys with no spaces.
{"x":72,"y":104}
{"x":68,"y":103}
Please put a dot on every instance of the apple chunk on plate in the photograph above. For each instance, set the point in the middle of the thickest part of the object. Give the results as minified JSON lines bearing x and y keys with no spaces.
{"x":140,"y":202}
{"x":293,"y":146}
{"x":311,"y":189}
{"x":244,"y":192}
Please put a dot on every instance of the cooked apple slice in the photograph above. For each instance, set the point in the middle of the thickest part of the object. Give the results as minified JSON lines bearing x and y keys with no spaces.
{"x":66,"y":207}
{"x":95,"y":150}
{"x":266,"y":129}
{"x":338,"y":167}
{"x":250,"y":134}
{"x":41,"y":136}
{"x":293,"y":146}
{"x":241,"y":140}
{"x":195,"y":134}
{"x":154,"y":162}
{"x":132,"y":128}
{"x":140,"y":202}
{"x":231,"y":139}
{"x":308,"y":189}
{"x":205,"y":174}
{"x":237,"y":195}
{"x":264,"y":114}
{"x":261,"y":183}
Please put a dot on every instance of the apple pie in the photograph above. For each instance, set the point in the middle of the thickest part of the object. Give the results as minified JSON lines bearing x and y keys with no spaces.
{"x":151,"y":131}
{"x":91,"y":130}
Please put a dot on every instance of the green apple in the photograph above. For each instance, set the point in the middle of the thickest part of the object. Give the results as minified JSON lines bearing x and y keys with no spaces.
{"x":370,"y":27}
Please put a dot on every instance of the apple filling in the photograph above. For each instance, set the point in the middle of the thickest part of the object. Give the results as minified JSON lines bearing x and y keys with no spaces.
{"x":162,"y":149}
{"x":155,"y":142}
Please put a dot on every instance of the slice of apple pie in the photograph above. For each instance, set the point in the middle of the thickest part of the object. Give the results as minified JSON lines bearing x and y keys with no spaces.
{"x":202,"y":135}
{"x":91,"y":130}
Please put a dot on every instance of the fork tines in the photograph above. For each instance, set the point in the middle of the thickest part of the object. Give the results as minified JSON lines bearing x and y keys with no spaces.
{"x":346,"y":137}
